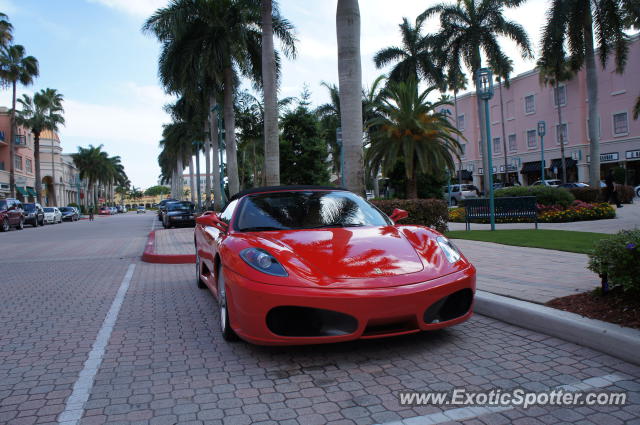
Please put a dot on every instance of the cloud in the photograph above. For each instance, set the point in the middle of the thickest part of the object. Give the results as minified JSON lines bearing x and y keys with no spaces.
{"x":137,"y":8}
{"x":7,"y":7}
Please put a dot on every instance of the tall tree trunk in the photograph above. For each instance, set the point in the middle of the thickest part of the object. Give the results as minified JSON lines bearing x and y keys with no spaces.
{"x":180,"y":176}
{"x":562,"y":160}
{"x":192,"y":179}
{"x":36,"y":157}
{"x":455,"y":108}
{"x":504,"y":137}
{"x":207,"y":164}
{"x":350,"y":80}
{"x":53,"y":173}
{"x":230,"y":132}
{"x":376,"y":184}
{"x":12,"y":160}
{"x":483,"y":139}
{"x":592,"y":97}
{"x":269,"y":82}
{"x":412,"y":186}
{"x":215,"y":146}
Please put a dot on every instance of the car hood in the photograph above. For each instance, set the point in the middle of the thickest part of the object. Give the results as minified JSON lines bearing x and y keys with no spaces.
{"x":351,"y":253}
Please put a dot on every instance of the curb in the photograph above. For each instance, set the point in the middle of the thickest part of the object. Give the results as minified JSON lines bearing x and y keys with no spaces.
{"x":615,"y":340}
{"x":149,"y":255}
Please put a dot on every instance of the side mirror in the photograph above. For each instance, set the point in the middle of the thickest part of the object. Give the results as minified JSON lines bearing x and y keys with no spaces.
{"x":210,"y":218}
{"x":398,"y":215}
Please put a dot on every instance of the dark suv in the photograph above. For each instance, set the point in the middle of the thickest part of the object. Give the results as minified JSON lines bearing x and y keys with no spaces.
{"x":162,"y":207}
{"x":34,"y":214}
{"x":11,"y":214}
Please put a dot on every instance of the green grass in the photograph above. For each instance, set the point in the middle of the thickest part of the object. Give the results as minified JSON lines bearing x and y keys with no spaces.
{"x":560,"y":240}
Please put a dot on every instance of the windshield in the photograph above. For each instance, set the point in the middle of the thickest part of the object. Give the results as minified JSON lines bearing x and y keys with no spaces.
{"x":48,"y":209}
{"x":29,"y":207}
{"x":307,"y":210}
{"x":65,"y":209}
{"x":3,"y":205}
{"x":180,"y":206}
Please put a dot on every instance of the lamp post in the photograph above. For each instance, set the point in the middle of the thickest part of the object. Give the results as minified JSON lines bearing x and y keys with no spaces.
{"x":542,"y":130}
{"x":484,"y":84}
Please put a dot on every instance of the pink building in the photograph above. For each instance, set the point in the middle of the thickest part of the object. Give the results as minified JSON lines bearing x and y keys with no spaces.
{"x":526,"y":102}
{"x":24,"y":164}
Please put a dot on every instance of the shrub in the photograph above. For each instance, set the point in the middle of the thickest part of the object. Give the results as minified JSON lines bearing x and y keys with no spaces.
{"x":625,"y":193}
{"x":586,"y":194}
{"x":578,"y":211}
{"x":545,"y":195}
{"x":618,"y":257}
{"x":424,"y":212}
{"x":80,"y":207}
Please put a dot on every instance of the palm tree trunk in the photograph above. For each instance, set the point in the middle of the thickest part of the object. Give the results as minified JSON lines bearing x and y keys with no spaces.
{"x":207,"y":165}
{"x":412,"y":186}
{"x":213,"y":123}
{"x":376,"y":184}
{"x":483,"y":141}
{"x":36,"y":158}
{"x":230,"y":132}
{"x":192,"y":179}
{"x":455,"y":108}
{"x":350,"y":81}
{"x":564,"y":163}
{"x":53,"y":174}
{"x":592,"y":97}
{"x":180,"y":178}
{"x":504,"y":136}
{"x":269,"y":82}
{"x":12,"y":161}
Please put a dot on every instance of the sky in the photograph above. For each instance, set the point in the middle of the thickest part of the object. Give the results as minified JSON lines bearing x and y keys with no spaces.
{"x":95,"y":54}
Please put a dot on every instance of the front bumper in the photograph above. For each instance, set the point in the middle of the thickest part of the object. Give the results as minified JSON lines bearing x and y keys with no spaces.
{"x":377,"y":312}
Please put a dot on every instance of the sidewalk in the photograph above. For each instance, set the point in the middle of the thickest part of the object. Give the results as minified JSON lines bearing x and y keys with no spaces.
{"x":627,"y":217}
{"x":174,"y":241}
{"x":530,"y":274}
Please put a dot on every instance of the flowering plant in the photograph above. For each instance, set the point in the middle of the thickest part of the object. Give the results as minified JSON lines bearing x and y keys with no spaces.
{"x":618,"y":257}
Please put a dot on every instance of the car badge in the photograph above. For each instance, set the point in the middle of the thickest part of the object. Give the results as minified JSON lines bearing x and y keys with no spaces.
{"x":377,"y":271}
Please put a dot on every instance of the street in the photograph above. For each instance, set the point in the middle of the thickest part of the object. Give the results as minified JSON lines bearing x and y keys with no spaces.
{"x":83,"y":319}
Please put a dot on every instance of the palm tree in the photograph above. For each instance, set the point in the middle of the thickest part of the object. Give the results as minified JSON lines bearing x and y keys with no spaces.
{"x":91,"y":165}
{"x":502,"y":71}
{"x":553,"y":72}
{"x":41,"y":112}
{"x":456,"y":81}
{"x":415,"y":58}
{"x":16,"y":67}
{"x":413,"y":130}
{"x":470,"y":28}
{"x":6,"y":31}
{"x":576,"y":21}
{"x":329,"y":114}
{"x":350,"y":83}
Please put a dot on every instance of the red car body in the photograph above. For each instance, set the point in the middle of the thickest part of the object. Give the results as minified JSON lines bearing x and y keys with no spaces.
{"x":342,"y":283}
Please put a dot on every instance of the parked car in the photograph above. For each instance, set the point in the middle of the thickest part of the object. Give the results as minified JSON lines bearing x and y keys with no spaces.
{"x":104,"y":211}
{"x":141,"y":210}
{"x":52,"y":215}
{"x":161,"y":206}
{"x":460,"y":192}
{"x":637,"y":190}
{"x":548,"y":182}
{"x":572,"y":185}
{"x":33,"y":214}
{"x":69,"y":213}
{"x":179,"y":214}
{"x":11,"y":214}
{"x":313,"y":264}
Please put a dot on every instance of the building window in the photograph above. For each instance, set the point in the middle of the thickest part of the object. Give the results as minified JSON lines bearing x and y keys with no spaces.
{"x":18,"y":164}
{"x":513,"y":146}
{"x":560,"y":96}
{"x":463,"y":149}
{"x":562,"y":130}
{"x":531,"y":138}
{"x":496,"y":145}
{"x":510,"y":113}
{"x":529,"y":104}
{"x":461,"y":122}
{"x":29,"y":166}
{"x":620,"y":125}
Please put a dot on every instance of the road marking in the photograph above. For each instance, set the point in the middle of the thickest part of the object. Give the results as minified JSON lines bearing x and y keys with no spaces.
{"x":472,"y":412}
{"x":74,"y":406}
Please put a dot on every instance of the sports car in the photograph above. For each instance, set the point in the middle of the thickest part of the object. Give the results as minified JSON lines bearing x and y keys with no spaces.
{"x":293,"y":265}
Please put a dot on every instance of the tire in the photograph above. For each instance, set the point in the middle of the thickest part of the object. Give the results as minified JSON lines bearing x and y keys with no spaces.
{"x":5,"y":225}
{"x":227,"y":333}
{"x":20,"y":225}
{"x":201,"y":284}
{"x":35,"y":222}
{"x":454,"y":202}
{"x":42,"y":222}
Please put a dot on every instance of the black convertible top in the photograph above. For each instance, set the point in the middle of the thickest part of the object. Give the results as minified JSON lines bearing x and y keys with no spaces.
{"x":282,"y":189}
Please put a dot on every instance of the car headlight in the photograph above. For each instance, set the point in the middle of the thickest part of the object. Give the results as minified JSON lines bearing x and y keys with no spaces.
{"x":262,"y":261}
{"x":449,"y":249}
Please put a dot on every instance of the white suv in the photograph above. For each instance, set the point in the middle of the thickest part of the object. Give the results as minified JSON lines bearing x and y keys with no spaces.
{"x":460,"y":192}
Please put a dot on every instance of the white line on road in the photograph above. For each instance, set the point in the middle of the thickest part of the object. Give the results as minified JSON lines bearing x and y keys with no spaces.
{"x":472,"y":412}
{"x":75,"y":404}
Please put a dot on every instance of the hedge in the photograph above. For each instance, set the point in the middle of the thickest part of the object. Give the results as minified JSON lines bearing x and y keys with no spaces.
{"x":586,"y":194}
{"x":545,"y":195}
{"x":433,"y":213}
{"x":618,"y":257}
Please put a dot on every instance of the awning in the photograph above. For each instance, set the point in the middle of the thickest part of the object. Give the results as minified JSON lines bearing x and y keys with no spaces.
{"x":32,"y":191}
{"x":530,"y":167}
{"x":569,"y":162}
{"x":22,"y":190}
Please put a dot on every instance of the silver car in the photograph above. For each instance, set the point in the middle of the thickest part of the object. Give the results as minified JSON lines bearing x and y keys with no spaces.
{"x":460,"y":192}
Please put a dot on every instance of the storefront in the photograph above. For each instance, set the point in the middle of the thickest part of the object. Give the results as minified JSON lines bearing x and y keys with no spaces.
{"x":632,"y":164}
{"x":572,"y":169}
{"x":531,"y":172}
{"x":464,"y":176}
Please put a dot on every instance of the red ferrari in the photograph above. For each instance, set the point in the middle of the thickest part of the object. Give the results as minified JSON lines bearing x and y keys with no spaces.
{"x":294,"y":265}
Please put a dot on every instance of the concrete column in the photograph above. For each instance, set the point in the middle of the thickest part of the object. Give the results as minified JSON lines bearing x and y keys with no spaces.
{"x":583,"y":172}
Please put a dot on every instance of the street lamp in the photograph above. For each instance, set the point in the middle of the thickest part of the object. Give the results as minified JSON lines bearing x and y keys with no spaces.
{"x":218,"y":111}
{"x":484,"y":84}
{"x":542,"y":130}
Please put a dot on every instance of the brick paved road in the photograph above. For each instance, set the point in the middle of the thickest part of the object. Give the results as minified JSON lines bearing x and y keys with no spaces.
{"x":166,"y":363}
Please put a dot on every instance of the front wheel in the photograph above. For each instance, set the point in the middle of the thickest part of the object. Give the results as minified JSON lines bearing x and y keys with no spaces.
{"x":227,"y":333}
{"x":20,"y":224}
{"x":5,"y":225}
{"x":35,"y":222}
{"x":201,"y":284}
